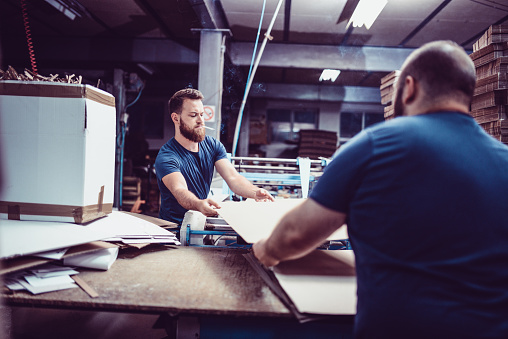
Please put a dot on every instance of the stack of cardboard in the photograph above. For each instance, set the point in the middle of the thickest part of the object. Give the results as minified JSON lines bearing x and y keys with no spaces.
{"x":387,"y":90}
{"x":490,"y":100}
{"x":317,"y":143}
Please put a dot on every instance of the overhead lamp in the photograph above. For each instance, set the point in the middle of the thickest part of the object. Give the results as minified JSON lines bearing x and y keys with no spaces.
{"x":366,"y":13}
{"x":66,"y":7}
{"x":329,"y":74}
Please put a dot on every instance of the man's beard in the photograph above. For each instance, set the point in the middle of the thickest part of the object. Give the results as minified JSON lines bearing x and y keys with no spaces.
{"x":192,"y":134}
{"x":398,"y":106}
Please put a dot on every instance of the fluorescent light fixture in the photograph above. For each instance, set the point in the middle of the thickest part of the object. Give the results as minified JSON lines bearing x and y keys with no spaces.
{"x":65,"y":8}
{"x":329,"y":74}
{"x":366,"y":13}
{"x":146,"y":68}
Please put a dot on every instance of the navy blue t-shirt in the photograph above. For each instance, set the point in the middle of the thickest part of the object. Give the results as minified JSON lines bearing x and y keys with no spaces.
{"x":427,"y":205}
{"x":196,"y":167}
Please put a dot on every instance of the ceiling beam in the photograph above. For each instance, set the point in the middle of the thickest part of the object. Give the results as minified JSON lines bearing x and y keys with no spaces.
{"x":117,"y":49}
{"x":375,"y":59}
{"x":210,"y":14}
{"x":317,"y":93}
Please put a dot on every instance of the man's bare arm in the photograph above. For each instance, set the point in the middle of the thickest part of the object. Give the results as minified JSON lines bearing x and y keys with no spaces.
{"x":176,"y":183}
{"x":239,"y":184}
{"x":299,"y":232}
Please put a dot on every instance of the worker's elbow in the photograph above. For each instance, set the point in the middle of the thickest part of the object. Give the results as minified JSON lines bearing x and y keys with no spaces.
{"x":296,"y":239}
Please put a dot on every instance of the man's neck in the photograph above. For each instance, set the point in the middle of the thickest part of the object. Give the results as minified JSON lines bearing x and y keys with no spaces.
{"x":186,"y":143}
{"x":449,"y":106}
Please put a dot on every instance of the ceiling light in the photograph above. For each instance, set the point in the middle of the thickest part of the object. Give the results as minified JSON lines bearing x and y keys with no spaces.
{"x":65,"y":7}
{"x":366,"y":13}
{"x":329,"y":74}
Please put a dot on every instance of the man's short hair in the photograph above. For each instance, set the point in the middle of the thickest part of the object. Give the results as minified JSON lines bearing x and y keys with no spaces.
{"x":443,"y":69}
{"x":176,"y":101}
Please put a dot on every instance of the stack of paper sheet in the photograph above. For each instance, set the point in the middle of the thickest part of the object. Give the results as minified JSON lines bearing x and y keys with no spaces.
{"x":29,"y":244}
{"x":46,"y":278}
{"x":20,"y":238}
{"x":130,"y":229}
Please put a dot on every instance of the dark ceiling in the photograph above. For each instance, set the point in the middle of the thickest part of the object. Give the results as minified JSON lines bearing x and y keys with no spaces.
{"x":161,"y":35}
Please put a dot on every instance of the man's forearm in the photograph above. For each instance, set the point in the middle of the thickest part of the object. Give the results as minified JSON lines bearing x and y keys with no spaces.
{"x":288,"y":240}
{"x":187,"y":199}
{"x":243,"y":187}
{"x":299,"y":232}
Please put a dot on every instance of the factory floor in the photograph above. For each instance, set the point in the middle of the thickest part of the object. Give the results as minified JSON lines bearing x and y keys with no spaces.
{"x":35,"y":323}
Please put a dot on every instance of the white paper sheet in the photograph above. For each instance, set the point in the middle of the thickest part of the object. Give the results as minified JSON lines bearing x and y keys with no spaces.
{"x":40,"y":282}
{"x":100,"y":260}
{"x":56,"y":255}
{"x":51,"y":270}
{"x":254,"y":221}
{"x":47,"y":288}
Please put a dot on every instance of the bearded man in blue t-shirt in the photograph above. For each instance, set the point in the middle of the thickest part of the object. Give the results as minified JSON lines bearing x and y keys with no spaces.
{"x":185,"y":164}
{"x":425,"y":198}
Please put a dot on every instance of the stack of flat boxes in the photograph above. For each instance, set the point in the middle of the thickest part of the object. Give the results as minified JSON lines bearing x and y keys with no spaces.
{"x":317,"y":143}
{"x":387,"y":89}
{"x":490,"y":101}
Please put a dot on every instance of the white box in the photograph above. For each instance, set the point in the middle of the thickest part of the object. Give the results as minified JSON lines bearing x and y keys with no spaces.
{"x":57,"y":149}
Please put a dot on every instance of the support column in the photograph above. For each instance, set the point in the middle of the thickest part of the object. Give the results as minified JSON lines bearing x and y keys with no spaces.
{"x":211,"y":68}
{"x":119,"y":93}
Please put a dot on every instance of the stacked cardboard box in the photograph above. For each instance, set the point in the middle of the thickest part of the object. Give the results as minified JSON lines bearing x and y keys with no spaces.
{"x":490,"y":100}
{"x":58,"y":151}
{"x":317,"y":143}
{"x":387,"y":90}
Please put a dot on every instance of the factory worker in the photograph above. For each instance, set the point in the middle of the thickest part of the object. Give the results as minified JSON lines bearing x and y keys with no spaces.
{"x":425,"y":198}
{"x":185,"y":164}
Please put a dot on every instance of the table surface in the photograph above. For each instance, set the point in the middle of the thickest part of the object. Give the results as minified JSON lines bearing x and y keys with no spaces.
{"x":176,"y":280}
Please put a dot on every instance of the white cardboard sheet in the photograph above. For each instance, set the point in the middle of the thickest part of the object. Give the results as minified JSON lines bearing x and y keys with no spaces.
{"x":254,"y":221}
{"x":19,"y":238}
{"x":322,"y":294}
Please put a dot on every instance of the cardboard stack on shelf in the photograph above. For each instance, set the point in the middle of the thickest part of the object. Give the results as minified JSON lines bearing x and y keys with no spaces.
{"x":317,"y":143}
{"x":387,"y":89}
{"x":490,"y":100}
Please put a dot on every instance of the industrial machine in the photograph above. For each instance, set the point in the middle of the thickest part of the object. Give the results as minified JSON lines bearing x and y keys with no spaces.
{"x":284,"y":178}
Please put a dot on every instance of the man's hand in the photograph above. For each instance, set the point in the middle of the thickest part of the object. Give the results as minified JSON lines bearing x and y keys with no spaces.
{"x":208,"y":207}
{"x":262,"y":195}
{"x":261,"y":253}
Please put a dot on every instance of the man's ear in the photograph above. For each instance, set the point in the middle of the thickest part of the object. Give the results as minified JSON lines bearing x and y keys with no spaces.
{"x":175,"y":117}
{"x":410,"y":90}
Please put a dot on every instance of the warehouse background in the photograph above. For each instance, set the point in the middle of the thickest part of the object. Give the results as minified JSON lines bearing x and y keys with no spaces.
{"x":142,"y":51}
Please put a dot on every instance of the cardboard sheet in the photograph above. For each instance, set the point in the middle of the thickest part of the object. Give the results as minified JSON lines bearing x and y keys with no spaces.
{"x":18,"y":238}
{"x":254,"y":221}
{"x":321,"y":284}
{"x":26,"y":262}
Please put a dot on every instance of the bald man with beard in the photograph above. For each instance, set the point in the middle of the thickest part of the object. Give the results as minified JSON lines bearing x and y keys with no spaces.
{"x":185,"y":164}
{"x":425,"y":199}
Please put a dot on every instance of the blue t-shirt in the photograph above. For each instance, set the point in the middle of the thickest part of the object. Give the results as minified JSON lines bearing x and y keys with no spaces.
{"x":196,"y":167}
{"x":427,"y":205}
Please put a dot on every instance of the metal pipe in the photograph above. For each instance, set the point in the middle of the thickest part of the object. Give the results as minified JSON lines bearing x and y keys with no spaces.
{"x":279,"y":160}
{"x":271,"y":168}
{"x":249,"y":84}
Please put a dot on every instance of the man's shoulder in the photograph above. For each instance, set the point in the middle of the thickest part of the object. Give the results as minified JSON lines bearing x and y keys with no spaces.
{"x":167,"y":151}
{"x":211,"y":142}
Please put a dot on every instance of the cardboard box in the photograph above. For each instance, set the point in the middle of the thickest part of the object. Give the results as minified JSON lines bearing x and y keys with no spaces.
{"x":57,"y":147}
